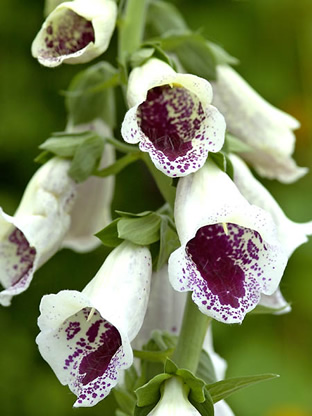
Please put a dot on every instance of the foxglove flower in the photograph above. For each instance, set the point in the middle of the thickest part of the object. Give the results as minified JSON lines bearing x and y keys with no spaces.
{"x":85,"y":336}
{"x":291,"y":234}
{"x":171,"y":117}
{"x":36,"y":231}
{"x":92,"y":209}
{"x":75,"y":32}
{"x":265,"y":129}
{"x":174,"y":400}
{"x":229,"y":252}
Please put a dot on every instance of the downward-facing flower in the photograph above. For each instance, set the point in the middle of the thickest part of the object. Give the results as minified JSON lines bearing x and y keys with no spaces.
{"x":174,"y":400}
{"x":92,"y":209}
{"x":267,"y":130}
{"x":229,"y":252}
{"x":75,"y":32}
{"x":36,"y":231}
{"x":85,"y":336}
{"x":55,"y":212}
{"x":171,"y":117}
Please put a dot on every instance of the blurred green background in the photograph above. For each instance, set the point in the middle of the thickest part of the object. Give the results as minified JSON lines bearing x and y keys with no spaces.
{"x":272,"y":39}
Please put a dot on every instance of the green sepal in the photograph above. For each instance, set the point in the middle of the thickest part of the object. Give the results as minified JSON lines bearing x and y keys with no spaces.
{"x":109,"y":234}
{"x":86,"y":158}
{"x":223,"y":162}
{"x":196,"y":385}
{"x":225,"y":388}
{"x":205,"y":408}
{"x":205,"y":369}
{"x":90,"y":95}
{"x":144,"y":411}
{"x":193,"y":53}
{"x":150,"y":392}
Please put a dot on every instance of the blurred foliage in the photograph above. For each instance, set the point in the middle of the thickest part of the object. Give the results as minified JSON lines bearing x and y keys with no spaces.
{"x":272,"y":39}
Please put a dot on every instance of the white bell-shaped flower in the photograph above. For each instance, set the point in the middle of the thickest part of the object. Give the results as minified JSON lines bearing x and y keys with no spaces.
{"x":37,"y":229}
{"x":265,"y":129}
{"x":85,"y":336}
{"x":230,"y":252}
{"x":171,"y":117}
{"x":75,"y":32}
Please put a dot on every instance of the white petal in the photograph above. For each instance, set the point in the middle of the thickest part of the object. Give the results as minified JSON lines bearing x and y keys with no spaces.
{"x":120,"y":289}
{"x":142,"y":78}
{"x":174,"y":401}
{"x":254,"y":121}
{"x":221,"y":408}
{"x":275,"y":301}
{"x":165,"y":308}
{"x":37,"y":229}
{"x":85,"y":350}
{"x":290,"y":233}
{"x":96,"y":18}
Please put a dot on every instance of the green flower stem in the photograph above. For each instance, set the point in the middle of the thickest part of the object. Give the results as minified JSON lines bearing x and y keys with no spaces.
{"x":191,"y":338}
{"x":163,"y":182}
{"x":121,"y":146}
{"x":131,"y":28}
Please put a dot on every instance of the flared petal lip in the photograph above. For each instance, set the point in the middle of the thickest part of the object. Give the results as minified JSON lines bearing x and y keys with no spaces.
{"x":51,"y":318}
{"x":103,"y":20}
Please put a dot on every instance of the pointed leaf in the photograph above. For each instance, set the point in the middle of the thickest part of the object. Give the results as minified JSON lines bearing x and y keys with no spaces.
{"x":153,"y":356}
{"x":205,"y":369}
{"x":142,"y":231}
{"x":90,"y":95}
{"x":86,"y":158}
{"x":119,"y":165}
{"x":225,"y":388}
{"x":109,"y":234}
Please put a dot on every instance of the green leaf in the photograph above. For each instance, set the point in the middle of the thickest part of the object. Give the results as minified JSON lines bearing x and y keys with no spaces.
{"x":206,"y":407}
{"x":119,"y":165}
{"x":150,"y":392}
{"x":86,"y":158}
{"x":132,"y":214}
{"x":140,"y":56}
{"x":65,"y":144}
{"x":170,"y":367}
{"x":205,"y":369}
{"x":43,"y":157}
{"x":193,"y":52}
{"x":90,"y":95}
{"x":126,"y":402}
{"x":169,"y":242}
{"x":163,"y":17}
{"x":222,"y":57}
{"x":109,"y":234}
{"x":142,"y":231}
{"x":223,"y":162}
{"x":225,"y":388}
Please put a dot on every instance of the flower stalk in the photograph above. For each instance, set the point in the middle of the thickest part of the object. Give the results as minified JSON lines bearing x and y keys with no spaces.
{"x":194,"y":328}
